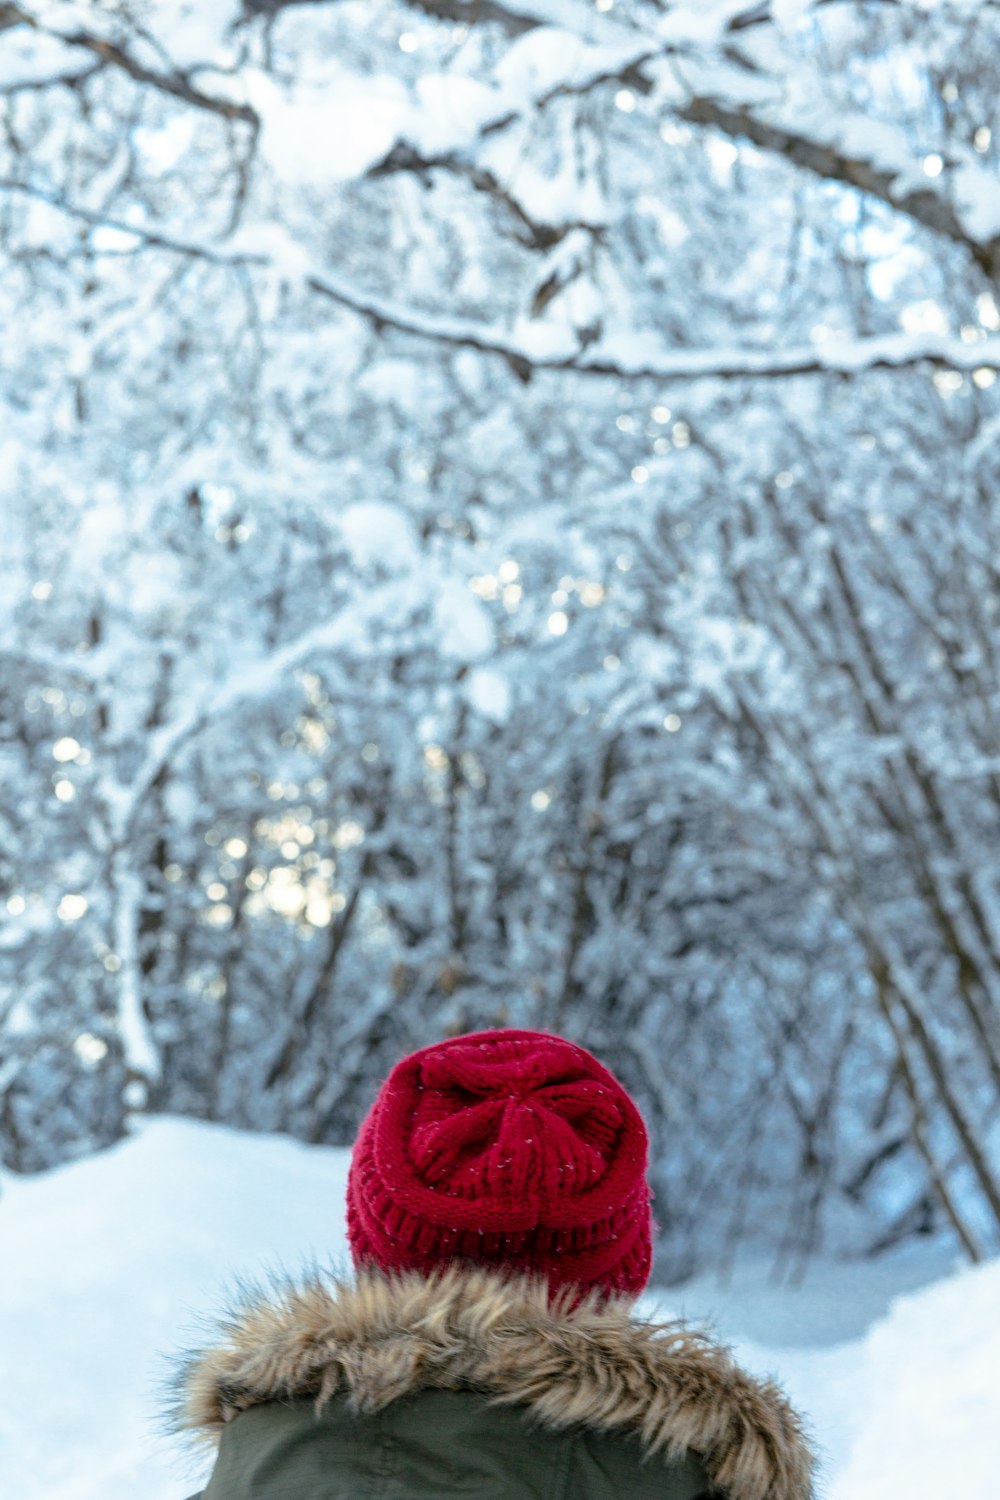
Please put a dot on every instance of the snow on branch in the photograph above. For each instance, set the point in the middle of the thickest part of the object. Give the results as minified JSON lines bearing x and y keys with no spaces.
{"x":251,"y":682}
{"x":132,"y":234}
{"x":514,"y":19}
{"x":787,"y":113}
{"x":139,"y":1049}
{"x":175,"y":81}
{"x":533,"y":231}
{"x":962,"y":201}
{"x":624,"y":355}
{"x":631,"y":356}
{"x":790,"y":115}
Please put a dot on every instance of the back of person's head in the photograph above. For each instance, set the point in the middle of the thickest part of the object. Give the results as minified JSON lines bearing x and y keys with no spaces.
{"x":512,"y":1149}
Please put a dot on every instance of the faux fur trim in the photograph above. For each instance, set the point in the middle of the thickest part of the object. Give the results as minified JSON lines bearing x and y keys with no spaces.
{"x":380,"y":1338}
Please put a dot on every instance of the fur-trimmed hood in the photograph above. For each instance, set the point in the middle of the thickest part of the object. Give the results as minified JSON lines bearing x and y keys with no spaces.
{"x":380,"y":1338}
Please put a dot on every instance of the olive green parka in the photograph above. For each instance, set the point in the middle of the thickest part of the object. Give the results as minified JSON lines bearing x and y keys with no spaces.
{"x":473,"y":1384}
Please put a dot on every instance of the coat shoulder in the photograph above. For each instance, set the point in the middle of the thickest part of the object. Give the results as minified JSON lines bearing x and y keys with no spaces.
{"x":592,"y":1368}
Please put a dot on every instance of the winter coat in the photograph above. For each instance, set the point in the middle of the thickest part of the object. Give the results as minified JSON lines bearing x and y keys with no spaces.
{"x":469,"y":1384}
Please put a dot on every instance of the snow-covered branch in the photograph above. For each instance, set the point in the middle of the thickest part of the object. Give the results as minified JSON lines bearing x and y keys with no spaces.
{"x":141,"y":1055}
{"x":533,"y":231}
{"x":251,"y":682}
{"x":789,"y":115}
{"x":962,"y":201}
{"x":139,"y":235}
{"x":635,"y":357}
{"x":622,"y":354}
{"x":173,"y":81}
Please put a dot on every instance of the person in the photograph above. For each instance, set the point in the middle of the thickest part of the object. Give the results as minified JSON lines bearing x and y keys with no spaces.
{"x":499,"y":1220}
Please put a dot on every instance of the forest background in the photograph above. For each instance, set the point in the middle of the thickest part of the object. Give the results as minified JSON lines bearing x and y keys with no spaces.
{"x":498,"y":525}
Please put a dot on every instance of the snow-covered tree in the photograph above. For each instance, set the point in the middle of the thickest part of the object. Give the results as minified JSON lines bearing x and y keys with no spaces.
{"x":498,"y":524}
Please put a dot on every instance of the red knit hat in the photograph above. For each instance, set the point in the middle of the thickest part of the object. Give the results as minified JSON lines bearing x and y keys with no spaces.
{"x":509,"y":1148}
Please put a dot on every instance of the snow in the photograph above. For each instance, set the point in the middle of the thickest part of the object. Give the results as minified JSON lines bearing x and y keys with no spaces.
{"x":334,"y":124}
{"x":788,"y":13}
{"x":379,"y":533}
{"x":672,"y":228}
{"x":108,"y":239}
{"x":572,"y":19}
{"x":331,"y":129}
{"x":106,"y":1263}
{"x":162,"y":146}
{"x":273,"y":243}
{"x":547,"y":196}
{"x":192,"y":31}
{"x":26,"y":56}
{"x":551,"y":57}
{"x":189,"y":30}
{"x":449,"y":110}
{"x":465,"y":629}
{"x":703,"y":21}
{"x":931,"y":1395}
{"x":489,"y":693}
{"x":113,"y":1262}
{"x":138,"y":1048}
{"x":977,"y":201}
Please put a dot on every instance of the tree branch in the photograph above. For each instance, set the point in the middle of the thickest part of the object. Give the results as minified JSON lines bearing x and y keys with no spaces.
{"x":626,"y":356}
{"x":537,"y":234}
{"x":622,"y":358}
{"x":925,"y":204}
{"x":457,"y":11}
{"x":176,"y":82}
{"x":73,"y":79}
{"x":153,"y":238}
{"x":248,"y":683}
{"x":900,"y":185}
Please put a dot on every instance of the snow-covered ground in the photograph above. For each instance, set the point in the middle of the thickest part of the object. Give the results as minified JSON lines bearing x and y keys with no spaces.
{"x":107,"y":1264}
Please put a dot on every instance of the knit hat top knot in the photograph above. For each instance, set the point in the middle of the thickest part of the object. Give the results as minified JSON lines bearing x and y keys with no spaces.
{"x":504,"y":1147}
